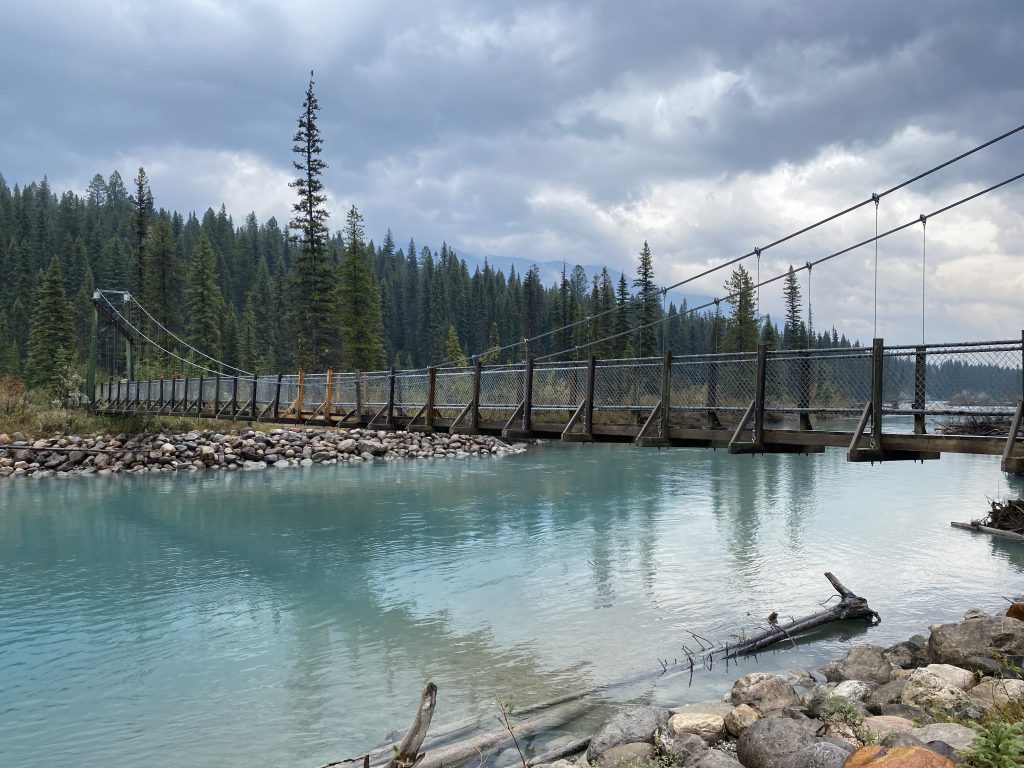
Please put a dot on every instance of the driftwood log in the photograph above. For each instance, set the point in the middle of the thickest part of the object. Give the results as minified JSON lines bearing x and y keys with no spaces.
{"x":850,"y":606}
{"x":464,"y":742}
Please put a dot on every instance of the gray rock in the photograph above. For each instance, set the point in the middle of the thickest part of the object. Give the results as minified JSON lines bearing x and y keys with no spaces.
{"x":628,"y":725}
{"x":764,"y":692}
{"x":865,"y":662}
{"x":957,"y":736}
{"x":890,"y":693}
{"x":994,"y":637}
{"x":769,"y":742}
{"x":680,"y":748}
{"x":714,"y":758}
{"x":630,"y":755}
{"x":910,"y":712}
{"x":908,"y":654}
{"x":821,"y":754}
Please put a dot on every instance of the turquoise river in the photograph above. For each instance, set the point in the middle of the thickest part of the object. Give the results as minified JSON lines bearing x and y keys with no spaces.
{"x":291,"y":617}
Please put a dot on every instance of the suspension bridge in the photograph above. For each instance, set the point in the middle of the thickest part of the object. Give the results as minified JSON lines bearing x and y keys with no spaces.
{"x":879,"y":403}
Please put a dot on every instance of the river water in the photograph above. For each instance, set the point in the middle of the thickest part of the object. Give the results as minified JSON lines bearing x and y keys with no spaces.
{"x":291,"y":617}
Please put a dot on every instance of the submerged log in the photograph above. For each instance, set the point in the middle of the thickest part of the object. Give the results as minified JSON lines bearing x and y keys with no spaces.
{"x":850,"y":606}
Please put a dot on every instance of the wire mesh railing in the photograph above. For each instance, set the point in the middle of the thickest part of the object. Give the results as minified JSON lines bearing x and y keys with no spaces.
{"x":983,"y":379}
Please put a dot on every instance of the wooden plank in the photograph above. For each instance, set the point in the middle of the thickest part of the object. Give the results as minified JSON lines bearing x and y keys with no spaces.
{"x":986,"y":529}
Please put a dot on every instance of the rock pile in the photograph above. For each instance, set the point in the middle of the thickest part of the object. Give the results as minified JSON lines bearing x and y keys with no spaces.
{"x":873,"y":706}
{"x":249,"y":449}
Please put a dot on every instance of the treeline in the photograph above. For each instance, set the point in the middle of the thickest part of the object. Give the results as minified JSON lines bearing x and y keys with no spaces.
{"x":228,"y":290}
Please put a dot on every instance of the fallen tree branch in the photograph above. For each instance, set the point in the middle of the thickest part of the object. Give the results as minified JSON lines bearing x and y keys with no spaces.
{"x":851,"y":606}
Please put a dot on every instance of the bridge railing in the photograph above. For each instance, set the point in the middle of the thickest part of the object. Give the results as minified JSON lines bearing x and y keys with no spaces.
{"x":934,"y":381}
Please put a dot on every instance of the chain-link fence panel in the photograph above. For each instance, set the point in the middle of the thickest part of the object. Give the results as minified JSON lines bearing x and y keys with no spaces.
{"x":627,"y":385}
{"x":266,"y":391}
{"x":985,"y":379}
{"x":289,"y":392}
{"x":737,"y":375}
{"x":559,"y":386}
{"x":314,"y":392}
{"x":411,"y":390}
{"x":375,"y":385}
{"x":453,"y":390}
{"x":502,"y":388}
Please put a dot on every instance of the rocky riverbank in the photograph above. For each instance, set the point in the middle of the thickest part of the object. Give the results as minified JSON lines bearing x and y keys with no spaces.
{"x":905,"y":705}
{"x":21,"y":457}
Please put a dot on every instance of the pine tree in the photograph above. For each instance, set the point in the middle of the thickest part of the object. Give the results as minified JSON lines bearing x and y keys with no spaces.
{"x":741,"y":334}
{"x":361,"y":326}
{"x":50,"y":338}
{"x":205,"y":302}
{"x":143,"y":205}
{"x":533,"y":307}
{"x":493,"y":354}
{"x":791,"y":335}
{"x":8,"y":349}
{"x":769,"y":334}
{"x":313,"y":294}
{"x":453,"y":352}
{"x":648,"y":310}
{"x":623,"y":318}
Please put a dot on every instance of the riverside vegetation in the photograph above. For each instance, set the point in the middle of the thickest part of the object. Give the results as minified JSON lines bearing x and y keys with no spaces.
{"x":954,"y":697}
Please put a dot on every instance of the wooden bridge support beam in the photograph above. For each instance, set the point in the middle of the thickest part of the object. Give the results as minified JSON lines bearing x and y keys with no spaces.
{"x":920,"y":371}
{"x":1010,"y":462}
{"x":390,"y":420}
{"x":712,"y":402}
{"x":277,"y":398}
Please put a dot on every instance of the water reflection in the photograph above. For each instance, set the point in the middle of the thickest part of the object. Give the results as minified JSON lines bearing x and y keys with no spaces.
{"x":285,"y":616}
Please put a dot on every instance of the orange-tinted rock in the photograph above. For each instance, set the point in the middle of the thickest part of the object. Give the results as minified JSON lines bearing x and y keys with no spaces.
{"x":1016,"y":611}
{"x":897,"y":757}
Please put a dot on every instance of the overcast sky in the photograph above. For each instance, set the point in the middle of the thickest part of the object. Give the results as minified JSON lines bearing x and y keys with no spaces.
{"x":573,"y":131}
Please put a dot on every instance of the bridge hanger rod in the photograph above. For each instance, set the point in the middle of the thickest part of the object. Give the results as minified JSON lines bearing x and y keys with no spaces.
{"x":806,"y":267}
{"x":757,"y":251}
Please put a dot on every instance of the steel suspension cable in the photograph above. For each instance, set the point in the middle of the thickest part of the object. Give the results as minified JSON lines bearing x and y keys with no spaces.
{"x":810,"y":264}
{"x":875,"y":197}
{"x":182,"y":342}
{"x":163,"y":349}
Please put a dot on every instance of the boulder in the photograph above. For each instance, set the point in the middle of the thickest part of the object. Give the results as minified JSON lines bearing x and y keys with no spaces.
{"x":709,"y":727}
{"x":1015,"y":611}
{"x":928,"y":690}
{"x":821,"y":754}
{"x":908,"y":654}
{"x":764,"y":692}
{"x":993,"y":637}
{"x":627,"y":726}
{"x":890,"y":693}
{"x":631,"y":755}
{"x":882,"y":725}
{"x":814,"y":700}
{"x":865,"y":662}
{"x":769,"y":742}
{"x":899,"y":709}
{"x":740,"y":718}
{"x":954,"y":676}
{"x":853,"y":689}
{"x":957,"y":736}
{"x":681,"y":748}
{"x":992,"y":692}
{"x":897,"y":757}
{"x":372,"y":447}
{"x":713,"y":758}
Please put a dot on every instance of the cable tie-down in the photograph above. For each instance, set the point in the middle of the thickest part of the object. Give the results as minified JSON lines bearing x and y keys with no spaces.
{"x":875,"y":197}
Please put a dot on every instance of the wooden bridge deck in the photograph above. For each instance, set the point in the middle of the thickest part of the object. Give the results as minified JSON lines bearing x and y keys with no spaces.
{"x":763,"y":402}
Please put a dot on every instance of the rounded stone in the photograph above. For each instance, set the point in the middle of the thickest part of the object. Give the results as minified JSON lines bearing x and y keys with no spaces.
{"x":708,"y":726}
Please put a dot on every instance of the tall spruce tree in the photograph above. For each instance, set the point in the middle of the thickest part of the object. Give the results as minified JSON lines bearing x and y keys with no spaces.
{"x":741,"y":334}
{"x":791,"y":330}
{"x":8,"y":349}
{"x":205,"y":302}
{"x":313,"y":293}
{"x":623,"y":317}
{"x":50,"y":337}
{"x":361,"y":326}
{"x":648,"y":309}
{"x":143,"y":209}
